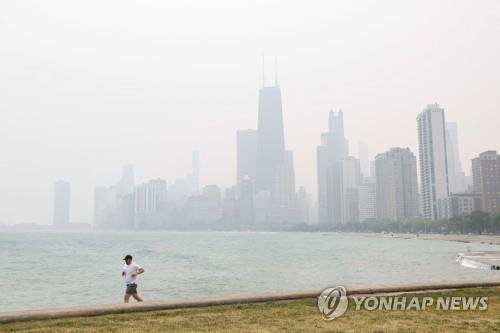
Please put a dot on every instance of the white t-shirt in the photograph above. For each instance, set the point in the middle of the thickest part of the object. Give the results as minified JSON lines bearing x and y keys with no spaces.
{"x":129,"y":269}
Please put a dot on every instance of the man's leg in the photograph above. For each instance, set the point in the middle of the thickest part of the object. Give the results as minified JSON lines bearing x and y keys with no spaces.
{"x":137,"y":297}
{"x":126,"y":298}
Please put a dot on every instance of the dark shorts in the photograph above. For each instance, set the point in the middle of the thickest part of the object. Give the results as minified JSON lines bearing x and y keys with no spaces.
{"x":131,"y":289}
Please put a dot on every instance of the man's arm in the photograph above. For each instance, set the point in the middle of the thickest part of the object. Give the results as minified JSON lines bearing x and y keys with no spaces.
{"x":140,"y":270}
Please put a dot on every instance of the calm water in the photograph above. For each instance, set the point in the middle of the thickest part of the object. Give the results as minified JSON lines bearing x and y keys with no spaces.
{"x":50,"y":269}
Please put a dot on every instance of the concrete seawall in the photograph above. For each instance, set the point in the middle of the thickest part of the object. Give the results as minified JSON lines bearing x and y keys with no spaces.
{"x":96,"y":310}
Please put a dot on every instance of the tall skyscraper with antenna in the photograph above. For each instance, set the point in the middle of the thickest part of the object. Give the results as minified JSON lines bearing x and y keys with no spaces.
{"x":271,"y":138}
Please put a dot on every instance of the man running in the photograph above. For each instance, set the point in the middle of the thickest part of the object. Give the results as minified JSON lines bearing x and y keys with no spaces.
{"x":130,"y":272}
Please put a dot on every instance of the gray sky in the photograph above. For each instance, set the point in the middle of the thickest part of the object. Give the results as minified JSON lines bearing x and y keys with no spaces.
{"x":86,"y":86}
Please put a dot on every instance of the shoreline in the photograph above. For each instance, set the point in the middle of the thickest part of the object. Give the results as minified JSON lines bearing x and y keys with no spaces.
{"x":481,"y":239}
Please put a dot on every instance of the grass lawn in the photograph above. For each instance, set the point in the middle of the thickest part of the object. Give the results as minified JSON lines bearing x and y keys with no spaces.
{"x":291,"y":316}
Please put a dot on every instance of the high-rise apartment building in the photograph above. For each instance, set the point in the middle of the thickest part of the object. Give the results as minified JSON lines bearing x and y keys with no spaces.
{"x":396,"y":183}
{"x":486,"y":179}
{"x":367,"y":199}
{"x":433,"y":159}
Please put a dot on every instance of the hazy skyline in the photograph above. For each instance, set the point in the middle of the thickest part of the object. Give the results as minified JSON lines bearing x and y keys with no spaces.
{"x":86,"y":87}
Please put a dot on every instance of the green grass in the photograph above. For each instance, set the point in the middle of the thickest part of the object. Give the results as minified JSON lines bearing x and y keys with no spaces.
{"x":290,"y":316}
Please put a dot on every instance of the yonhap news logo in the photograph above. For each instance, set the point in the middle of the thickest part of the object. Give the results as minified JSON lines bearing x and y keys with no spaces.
{"x":333,"y":303}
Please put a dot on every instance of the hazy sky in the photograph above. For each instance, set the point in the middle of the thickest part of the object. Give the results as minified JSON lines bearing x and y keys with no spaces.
{"x":86,"y":86}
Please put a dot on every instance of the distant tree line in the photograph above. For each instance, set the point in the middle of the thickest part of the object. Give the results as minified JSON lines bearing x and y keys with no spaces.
{"x":475,"y":223}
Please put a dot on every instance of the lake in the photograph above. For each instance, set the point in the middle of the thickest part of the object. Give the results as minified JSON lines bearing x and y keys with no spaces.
{"x":53,"y":269}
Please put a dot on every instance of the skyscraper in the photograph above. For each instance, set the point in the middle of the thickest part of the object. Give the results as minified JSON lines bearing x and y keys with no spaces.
{"x":62,"y":198}
{"x":396,"y":184}
{"x":456,"y":176}
{"x":150,"y":203}
{"x":322,"y":163}
{"x":367,"y":199}
{"x":486,"y":178}
{"x":351,"y":179}
{"x":246,"y":154}
{"x":271,"y":139}
{"x":274,"y":175}
{"x":433,"y":159}
{"x":330,"y":154}
{"x":246,"y":210}
{"x":284,"y":198}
